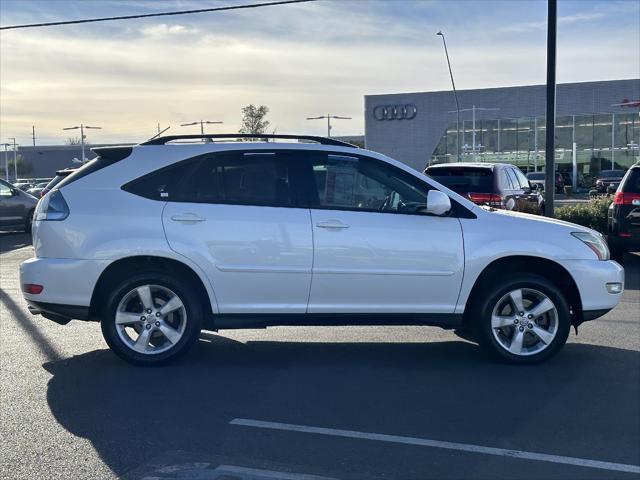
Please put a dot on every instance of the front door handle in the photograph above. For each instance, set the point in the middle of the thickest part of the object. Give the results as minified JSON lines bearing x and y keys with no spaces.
{"x":332,"y":224}
{"x":188,"y":218}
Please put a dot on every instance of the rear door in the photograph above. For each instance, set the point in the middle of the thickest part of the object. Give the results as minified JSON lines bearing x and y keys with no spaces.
{"x":373,"y":251}
{"x":236,"y":216}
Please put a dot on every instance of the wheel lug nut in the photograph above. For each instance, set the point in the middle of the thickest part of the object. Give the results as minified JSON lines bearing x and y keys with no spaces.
{"x":148,"y":326}
{"x":143,"y":318}
{"x":157,"y":324}
{"x":529,"y":316}
{"x":530,"y":325}
{"x":522,"y":314}
{"x":516,"y":321}
{"x":157,"y":314}
{"x":148,"y":310}
{"x":521,"y":329}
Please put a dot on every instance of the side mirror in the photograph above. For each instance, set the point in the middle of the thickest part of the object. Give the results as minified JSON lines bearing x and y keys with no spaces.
{"x":438,"y":203}
{"x":14,"y":192}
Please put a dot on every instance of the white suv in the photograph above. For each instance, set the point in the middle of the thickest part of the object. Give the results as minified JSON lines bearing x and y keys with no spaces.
{"x":161,"y":240}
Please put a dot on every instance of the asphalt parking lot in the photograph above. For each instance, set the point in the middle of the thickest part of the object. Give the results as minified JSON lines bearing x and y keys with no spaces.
{"x":315,"y":403}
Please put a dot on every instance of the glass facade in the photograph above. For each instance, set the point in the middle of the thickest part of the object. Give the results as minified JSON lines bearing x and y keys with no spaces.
{"x":603,"y":141}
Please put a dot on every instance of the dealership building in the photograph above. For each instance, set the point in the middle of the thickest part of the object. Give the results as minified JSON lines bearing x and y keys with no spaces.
{"x":597,"y":126}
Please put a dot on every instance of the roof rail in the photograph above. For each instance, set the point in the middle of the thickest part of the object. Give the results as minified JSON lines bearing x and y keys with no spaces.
{"x":312,"y":138}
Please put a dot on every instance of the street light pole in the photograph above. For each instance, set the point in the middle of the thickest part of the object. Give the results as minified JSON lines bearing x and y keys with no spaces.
{"x":6,"y":162}
{"x":15,"y":160}
{"x":201,"y":122}
{"x":455,"y":94}
{"x":328,"y":116}
{"x":82,"y":127}
{"x":550,"y":150}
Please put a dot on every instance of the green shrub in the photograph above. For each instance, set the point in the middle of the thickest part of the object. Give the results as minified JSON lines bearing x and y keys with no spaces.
{"x":592,"y":214}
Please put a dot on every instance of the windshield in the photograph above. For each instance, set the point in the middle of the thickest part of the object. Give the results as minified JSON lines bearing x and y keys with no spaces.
{"x":463,"y":179}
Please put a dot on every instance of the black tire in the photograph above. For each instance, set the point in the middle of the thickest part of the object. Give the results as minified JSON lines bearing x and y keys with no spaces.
{"x":492,"y":295}
{"x":192,"y":306}
{"x":28,"y":222}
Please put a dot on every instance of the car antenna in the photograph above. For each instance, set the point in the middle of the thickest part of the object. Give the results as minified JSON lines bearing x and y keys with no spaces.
{"x":159,"y":133}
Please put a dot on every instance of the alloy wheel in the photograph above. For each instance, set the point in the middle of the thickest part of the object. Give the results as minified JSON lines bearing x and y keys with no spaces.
{"x":524,"y":322}
{"x":150,"y":319}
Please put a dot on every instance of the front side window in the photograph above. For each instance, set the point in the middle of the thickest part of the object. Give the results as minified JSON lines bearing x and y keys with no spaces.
{"x":357,"y":183}
{"x":524,"y":183}
{"x":5,"y":189}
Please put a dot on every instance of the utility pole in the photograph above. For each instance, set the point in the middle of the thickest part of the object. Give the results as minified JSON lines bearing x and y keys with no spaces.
{"x":201,"y":122}
{"x":33,"y":134}
{"x":6,"y":162}
{"x":328,"y":116}
{"x":15,"y":160}
{"x":455,"y":94}
{"x":550,"y":147}
{"x":82,"y":127}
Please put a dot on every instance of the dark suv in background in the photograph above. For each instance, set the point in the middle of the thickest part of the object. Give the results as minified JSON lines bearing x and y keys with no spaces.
{"x":624,"y":215}
{"x":538,"y":179}
{"x":498,"y":185}
{"x":609,"y":180}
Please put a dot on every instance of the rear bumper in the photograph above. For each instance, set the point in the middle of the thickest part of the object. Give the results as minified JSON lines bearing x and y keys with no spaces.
{"x":65,"y":281}
{"x":58,"y":313}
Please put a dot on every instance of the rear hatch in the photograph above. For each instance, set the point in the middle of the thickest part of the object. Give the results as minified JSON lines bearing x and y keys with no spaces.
{"x":475,"y":183}
{"x":627,"y":201}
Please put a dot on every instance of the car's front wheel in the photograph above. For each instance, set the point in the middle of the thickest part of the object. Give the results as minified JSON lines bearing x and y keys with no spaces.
{"x":151,"y":318}
{"x":524,"y":319}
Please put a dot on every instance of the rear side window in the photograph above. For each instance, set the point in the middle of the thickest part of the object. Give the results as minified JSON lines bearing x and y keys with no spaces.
{"x":242,"y":178}
{"x":524,"y":183}
{"x":632,"y":182}
{"x":262,"y":178}
{"x":464,"y":179}
{"x":513,"y":179}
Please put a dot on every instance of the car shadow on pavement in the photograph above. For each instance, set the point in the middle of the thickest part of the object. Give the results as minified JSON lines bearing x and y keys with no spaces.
{"x":13,"y":240}
{"x":447,"y":390}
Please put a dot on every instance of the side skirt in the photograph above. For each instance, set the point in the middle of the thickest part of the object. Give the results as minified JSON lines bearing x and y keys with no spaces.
{"x":236,"y":321}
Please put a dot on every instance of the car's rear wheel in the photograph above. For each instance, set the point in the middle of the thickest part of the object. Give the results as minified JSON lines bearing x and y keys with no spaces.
{"x":524,"y":319}
{"x":151,"y":318}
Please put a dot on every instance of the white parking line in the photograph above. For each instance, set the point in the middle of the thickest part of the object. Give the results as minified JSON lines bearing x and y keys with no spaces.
{"x":425,"y":442}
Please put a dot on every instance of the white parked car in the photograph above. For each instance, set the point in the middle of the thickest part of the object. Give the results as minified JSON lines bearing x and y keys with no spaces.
{"x":161,"y":240}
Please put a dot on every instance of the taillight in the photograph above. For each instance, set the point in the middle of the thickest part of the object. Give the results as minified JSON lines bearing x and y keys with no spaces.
{"x":32,"y":288}
{"x":490,"y":199}
{"x":52,"y":207}
{"x":626,"y":198}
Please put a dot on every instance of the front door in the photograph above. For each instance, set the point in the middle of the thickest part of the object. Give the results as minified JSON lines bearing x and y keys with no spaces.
{"x":374,"y":252}
{"x":11,"y":206}
{"x":235,"y":217}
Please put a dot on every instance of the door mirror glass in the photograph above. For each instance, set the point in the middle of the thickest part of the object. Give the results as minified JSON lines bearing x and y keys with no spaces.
{"x":438,"y":203}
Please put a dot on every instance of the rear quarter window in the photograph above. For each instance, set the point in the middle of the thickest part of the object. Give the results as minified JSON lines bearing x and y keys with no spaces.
{"x":631,"y":184}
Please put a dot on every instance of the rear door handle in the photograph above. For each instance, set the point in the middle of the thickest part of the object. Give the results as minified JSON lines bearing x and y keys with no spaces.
{"x":188,"y":218}
{"x":332,"y":224}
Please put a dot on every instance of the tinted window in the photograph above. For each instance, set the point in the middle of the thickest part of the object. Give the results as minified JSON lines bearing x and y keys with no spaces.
{"x":464,"y":179}
{"x":245,"y":178}
{"x":611,"y":173}
{"x":535,"y":176}
{"x":357,"y":183}
{"x":513,"y":178}
{"x":632,"y":182}
{"x":503,"y":179}
{"x":524,"y":183}
{"x":5,"y":189}
{"x":162,"y":184}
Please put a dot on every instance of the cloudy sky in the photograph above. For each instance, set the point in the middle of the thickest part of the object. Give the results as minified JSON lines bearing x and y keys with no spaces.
{"x":300,"y":60}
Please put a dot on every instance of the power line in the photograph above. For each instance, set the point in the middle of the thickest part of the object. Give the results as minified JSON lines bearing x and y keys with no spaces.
{"x":160,"y":14}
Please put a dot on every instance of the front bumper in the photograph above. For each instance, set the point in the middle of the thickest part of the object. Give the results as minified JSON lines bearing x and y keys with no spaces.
{"x":591,"y":277}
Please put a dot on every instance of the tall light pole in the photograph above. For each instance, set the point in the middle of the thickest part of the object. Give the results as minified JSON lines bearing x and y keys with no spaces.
{"x":15,"y":159}
{"x":201,"y":122}
{"x":6,"y":161}
{"x":455,"y":94}
{"x":550,"y":133}
{"x":82,"y":127}
{"x":328,"y":116}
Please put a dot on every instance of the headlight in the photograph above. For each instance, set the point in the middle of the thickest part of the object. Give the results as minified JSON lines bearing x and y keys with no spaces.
{"x":595,"y":242}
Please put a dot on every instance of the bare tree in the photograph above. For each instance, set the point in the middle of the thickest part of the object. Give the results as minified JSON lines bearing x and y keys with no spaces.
{"x":72,"y":141}
{"x":253,"y":119}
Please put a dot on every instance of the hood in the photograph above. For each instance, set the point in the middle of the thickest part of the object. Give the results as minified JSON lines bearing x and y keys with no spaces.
{"x":533,"y":220}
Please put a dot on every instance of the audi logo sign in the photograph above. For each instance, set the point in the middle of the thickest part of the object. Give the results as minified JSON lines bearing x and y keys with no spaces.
{"x":395,"y":112}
